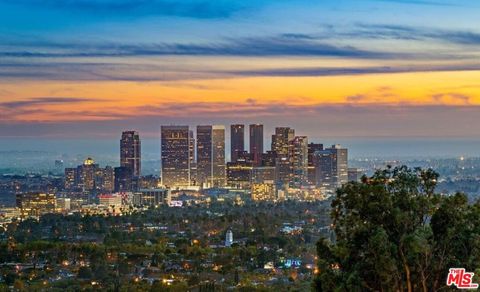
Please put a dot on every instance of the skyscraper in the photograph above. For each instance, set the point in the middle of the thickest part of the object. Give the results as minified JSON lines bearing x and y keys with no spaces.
{"x":211,"y":156}
{"x":123,"y":179}
{"x":312,"y":148}
{"x":256,"y":143}
{"x":86,"y":175}
{"x":280,"y":146}
{"x":281,"y":139}
{"x":130,"y":152}
{"x":175,"y":149}
{"x":193,"y":163}
{"x":298,"y":161}
{"x":331,"y":167}
{"x":237,"y":141}
{"x":204,"y":155}
{"x":218,"y":156}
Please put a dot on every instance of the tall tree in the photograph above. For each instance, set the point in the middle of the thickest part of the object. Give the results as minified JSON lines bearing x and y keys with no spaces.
{"x":392,"y":232}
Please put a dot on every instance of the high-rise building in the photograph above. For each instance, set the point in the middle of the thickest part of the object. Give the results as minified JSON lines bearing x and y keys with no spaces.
{"x":211,"y":156}
{"x":35,"y":203}
{"x":331,"y":167}
{"x":280,"y":146}
{"x":256,"y":143}
{"x":105,"y":179}
{"x":123,"y":179}
{"x":130,"y":152}
{"x":237,"y":141}
{"x":175,"y":149}
{"x":218,"y":156}
{"x":204,"y":155}
{"x":89,"y":178}
{"x":263,"y":174}
{"x":70,"y":178}
{"x":86,"y":175}
{"x":298,"y":161}
{"x":239,"y":174}
{"x":193,"y":163}
{"x":312,"y":148}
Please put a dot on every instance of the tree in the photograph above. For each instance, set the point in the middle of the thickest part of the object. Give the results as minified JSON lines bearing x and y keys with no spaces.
{"x":394,"y":233}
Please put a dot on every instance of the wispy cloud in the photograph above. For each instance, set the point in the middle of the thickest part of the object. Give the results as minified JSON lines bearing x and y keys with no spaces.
{"x":42,"y":101}
{"x":131,"y":8}
{"x":104,"y":71}
{"x":280,"y":45}
{"x":402,"y":32}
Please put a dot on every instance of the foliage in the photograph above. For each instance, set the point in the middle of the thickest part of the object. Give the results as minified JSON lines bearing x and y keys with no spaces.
{"x":394,"y":233}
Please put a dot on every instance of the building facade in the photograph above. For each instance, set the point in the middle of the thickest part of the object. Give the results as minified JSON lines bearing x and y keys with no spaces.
{"x":175,"y":156}
{"x":130,"y":152}
{"x":331,"y":167}
{"x":298,"y":161}
{"x":211,"y":170}
{"x":237,"y":141}
{"x":256,"y":143}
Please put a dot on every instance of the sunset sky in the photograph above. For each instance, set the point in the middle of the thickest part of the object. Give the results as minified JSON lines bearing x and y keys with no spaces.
{"x":336,"y":68}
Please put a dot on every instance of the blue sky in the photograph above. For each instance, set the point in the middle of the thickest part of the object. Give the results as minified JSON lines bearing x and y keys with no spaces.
{"x":102,"y":64}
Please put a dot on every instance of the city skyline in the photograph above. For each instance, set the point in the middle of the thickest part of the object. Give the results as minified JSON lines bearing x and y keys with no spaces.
{"x":97,"y":67}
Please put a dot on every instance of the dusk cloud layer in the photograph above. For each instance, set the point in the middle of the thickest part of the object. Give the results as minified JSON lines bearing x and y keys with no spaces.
{"x":386,"y":67}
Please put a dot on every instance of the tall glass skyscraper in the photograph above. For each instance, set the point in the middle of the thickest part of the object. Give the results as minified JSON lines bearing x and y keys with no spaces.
{"x":130,"y":152}
{"x":299,"y":161}
{"x":175,"y":149}
{"x":256,"y":143}
{"x":211,"y":156}
{"x":331,"y":167}
{"x":280,"y":146}
{"x":237,"y":141}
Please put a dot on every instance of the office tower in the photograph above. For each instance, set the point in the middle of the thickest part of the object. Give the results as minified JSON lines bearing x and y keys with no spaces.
{"x":256,"y":143}
{"x":105,"y":179}
{"x":211,"y":156}
{"x":86,"y":175}
{"x":237,"y":141}
{"x":149,"y":182}
{"x":239,"y":174}
{"x":175,"y":149}
{"x":331,"y":167}
{"x":280,"y":146}
{"x":35,"y":204}
{"x":193,"y":163}
{"x":70,"y":178}
{"x":298,"y":161}
{"x":281,"y":139}
{"x":263,"y":174}
{"x":204,"y":155}
{"x":218,"y":156}
{"x":312,"y":148}
{"x":123,"y":179}
{"x":130,"y":151}
{"x":268,"y":158}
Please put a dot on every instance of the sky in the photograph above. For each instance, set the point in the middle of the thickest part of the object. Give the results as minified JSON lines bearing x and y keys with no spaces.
{"x":351,"y":69}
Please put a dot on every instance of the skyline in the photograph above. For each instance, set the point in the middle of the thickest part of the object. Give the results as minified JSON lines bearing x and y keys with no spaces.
{"x":341,"y":69}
